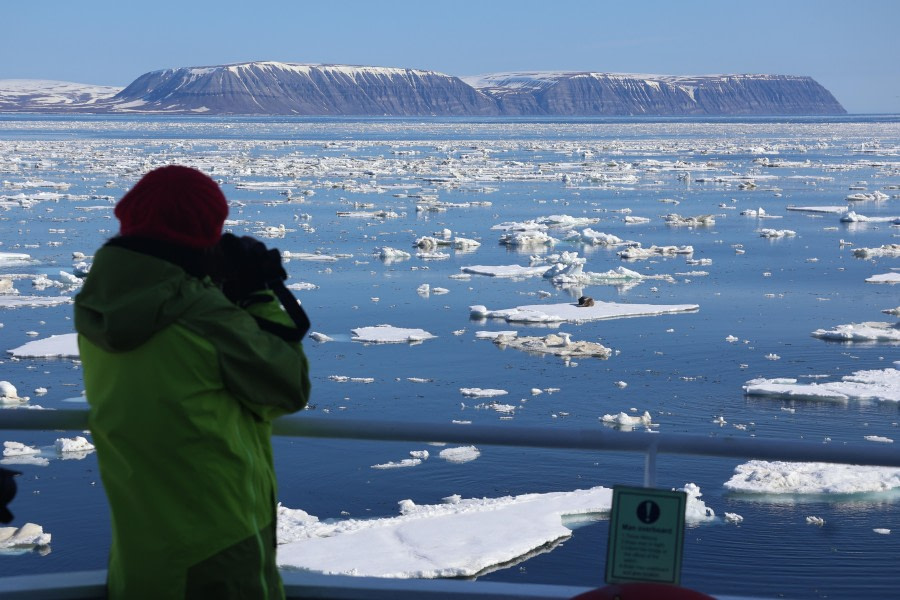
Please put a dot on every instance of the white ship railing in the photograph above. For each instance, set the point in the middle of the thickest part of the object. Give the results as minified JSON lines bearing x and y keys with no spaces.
{"x":89,"y":584}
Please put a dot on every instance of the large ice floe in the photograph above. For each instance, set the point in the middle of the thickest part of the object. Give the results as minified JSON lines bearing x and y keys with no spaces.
{"x":457,"y":538}
{"x":870,"y":331}
{"x":388,"y":334}
{"x":27,"y":538}
{"x":55,"y":346}
{"x":885,"y":251}
{"x":890,"y":278}
{"x":781,"y":477}
{"x":879,"y":385}
{"x":573,"y":313}
{"x":557,"y":344}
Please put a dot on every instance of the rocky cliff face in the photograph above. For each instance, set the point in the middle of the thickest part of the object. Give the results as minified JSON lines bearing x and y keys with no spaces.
{"x":270,"y":88}
{"x":586,"y":94}
{"x":289,"y":89}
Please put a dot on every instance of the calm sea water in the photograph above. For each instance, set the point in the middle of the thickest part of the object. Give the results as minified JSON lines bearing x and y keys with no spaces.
{"x":678,"y":367}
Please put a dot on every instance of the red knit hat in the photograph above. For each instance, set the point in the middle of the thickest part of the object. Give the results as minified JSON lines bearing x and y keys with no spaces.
{"x":175,"y":204}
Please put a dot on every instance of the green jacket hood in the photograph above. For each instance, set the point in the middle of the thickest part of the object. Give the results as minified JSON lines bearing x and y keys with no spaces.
{"x":129,"y":296}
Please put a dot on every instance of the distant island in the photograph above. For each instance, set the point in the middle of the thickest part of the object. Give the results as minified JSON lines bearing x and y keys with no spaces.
{"x":275,"y":88}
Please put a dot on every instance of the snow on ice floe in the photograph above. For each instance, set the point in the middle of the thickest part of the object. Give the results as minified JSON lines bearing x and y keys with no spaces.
{"x":9,"y":394}
{"x":572,"y":313}
{"x":853,"y":217}
{"x":14,"y":259}
{"x":776,"y":233}
{"x":557,"y":344}
{"x":506,"y":271}
{"x":886,"y":251}
{"x":19,"y":540}
{"x":783,"y":477}
{"x":889,"y":278}
{"x":640,"y":253}
{"x":55,"y":346}
{"x":626,"y":422}
{"x":457,"y":538}
{"x":820,"y":209}
{"x":32,"y":301}
{"x":481,"y":393}
{"x":388,"y":334}
{"x":870,"y":331}
{"x":880,"y":385}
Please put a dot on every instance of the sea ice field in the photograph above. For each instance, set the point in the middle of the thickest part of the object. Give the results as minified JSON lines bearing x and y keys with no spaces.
{"x":726,"y":278}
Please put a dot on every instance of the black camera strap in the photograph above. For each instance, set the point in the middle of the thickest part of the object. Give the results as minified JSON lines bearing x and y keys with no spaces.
{"x":292,"y":306}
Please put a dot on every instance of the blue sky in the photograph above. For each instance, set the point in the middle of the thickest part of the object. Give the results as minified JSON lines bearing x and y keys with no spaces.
{"x":850,"y":47}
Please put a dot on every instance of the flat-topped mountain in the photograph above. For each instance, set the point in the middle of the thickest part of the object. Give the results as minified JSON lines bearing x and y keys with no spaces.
{"x":273,"y":88}
{"x":586,"y":93}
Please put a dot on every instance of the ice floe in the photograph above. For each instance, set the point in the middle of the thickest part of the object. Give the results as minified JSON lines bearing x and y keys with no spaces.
{"x":457,"y":538}
{"x":55,"y":346}
{"x":557,"y":344}
{"x":388,"y":334}
{"x":572,"y":313}
{"x":880,"y":385}
{"x":783,"y":477}
{"x":27,"y":538}
{"x":886,"y":250}
{"x":890,"y":278}
{"x":870,"y":331}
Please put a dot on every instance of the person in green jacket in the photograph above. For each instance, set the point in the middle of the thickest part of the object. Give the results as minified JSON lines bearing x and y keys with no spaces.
{"x":184,"y":375}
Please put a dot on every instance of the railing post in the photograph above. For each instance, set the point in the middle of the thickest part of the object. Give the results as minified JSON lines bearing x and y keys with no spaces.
{"x":650,"y":466}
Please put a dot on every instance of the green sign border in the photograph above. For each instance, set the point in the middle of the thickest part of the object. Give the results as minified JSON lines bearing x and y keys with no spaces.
{"x":615,"y":522}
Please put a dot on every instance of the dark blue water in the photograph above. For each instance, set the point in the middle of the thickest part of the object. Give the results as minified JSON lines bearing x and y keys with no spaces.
{"x":678,"y":367}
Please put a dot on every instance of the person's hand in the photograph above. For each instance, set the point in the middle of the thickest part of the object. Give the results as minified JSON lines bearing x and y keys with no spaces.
{"x":248,"y":266}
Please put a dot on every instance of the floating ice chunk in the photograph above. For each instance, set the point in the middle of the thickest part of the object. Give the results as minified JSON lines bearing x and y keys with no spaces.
{"x":731,"y":339}
{"x":458,"y":537}
{"x":461,"y":454}
{"x":879,"y":438}
{"x":627,"y":422}
{"x":881,"y":385}
{"x":886,"y":251}
{"x":320,"y":337}
{"x":555,"y":313}
{"x":14,"y":259}
{"x":388,"y":334}
{"x":817,"y":521}
{"x":621,"y":384}
{"x":870,"y":331}
{"x":890,"y":278}
{"x":29,"y":536}
{"x":733,"y":518}
{"x":699,"y":221}
{"x":776,"y":233}
{"x":636,"y":220}
{"x":32,"y":301}
{"x":406,"y":462}
{"x":492,"y":335}
{"x":18,"y":449}
{"x":820,"y":209}
{"x":9,"y":394}
{"x":639,"y":253}
{"x":481,"y":393}
{"x":772,"y":356}
{"x":387,"y":253}
{"x":696,"y":511}
{"x":853,"y":217}
{"x":76,"y":444}
{"x":62,"y":346}
{"x":875,"y":196}
{"x":882,"y":531}
{"x":308,"y":256}
{"x":527,"y":239}
{"x":508,"y":271}
{"x":782,"y":477}
{"x":465,"y":244}
{"x":557,"y":344}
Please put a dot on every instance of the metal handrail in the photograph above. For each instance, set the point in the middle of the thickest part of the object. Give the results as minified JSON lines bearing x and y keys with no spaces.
{"x":650,"y":444}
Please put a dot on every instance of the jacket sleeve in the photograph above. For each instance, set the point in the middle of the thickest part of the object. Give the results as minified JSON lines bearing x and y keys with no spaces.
{"x":266,"y":374}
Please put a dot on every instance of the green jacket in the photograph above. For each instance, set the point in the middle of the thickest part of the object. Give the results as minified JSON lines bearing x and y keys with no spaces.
{"x":182,"y":386}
